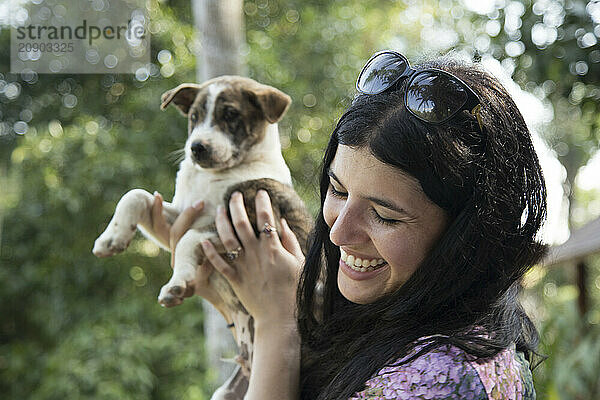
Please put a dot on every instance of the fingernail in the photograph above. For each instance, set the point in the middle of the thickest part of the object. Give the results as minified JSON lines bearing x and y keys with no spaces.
{"x":284,"y":223}
{"x":198,"y":205}
{"x":205,"y":244}
{"x":155,"y":193}
{"x":236,"y":193}
{"x":219,"y":209}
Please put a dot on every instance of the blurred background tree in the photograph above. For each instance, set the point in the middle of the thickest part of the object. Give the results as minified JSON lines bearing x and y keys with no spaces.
{"x":221,"y":31}
{"x":74,"y":326}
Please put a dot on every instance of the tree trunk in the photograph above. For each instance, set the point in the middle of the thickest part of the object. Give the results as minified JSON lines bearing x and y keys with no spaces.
{"x":572,"y":166}
{"x":220,"y":29}
{"x":2,"y":180}
{"x":220,"y":26}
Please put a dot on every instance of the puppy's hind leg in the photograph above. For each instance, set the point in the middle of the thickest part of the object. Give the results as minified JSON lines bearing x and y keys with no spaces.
{"x":234,"y":388}
{"x":133,"y":208}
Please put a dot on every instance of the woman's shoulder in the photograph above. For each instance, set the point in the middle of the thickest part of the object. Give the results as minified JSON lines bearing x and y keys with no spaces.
{"x":447,"y":372}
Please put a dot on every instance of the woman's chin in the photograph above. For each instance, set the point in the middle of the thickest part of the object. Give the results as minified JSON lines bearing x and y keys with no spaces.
{"x":359,"y":290}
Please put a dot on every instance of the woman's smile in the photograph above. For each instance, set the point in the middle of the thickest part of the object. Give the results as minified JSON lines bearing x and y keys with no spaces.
{"x":361,"y":264}
{"x":349,"y":268}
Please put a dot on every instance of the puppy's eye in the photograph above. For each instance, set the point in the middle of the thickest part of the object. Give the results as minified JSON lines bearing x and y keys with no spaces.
{"x":230,"y":114}
{"x":194,"y":118}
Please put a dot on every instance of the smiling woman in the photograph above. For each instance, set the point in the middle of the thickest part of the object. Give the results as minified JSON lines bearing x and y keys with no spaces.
{"x":432,"y":197}
{"x":434,"y":173}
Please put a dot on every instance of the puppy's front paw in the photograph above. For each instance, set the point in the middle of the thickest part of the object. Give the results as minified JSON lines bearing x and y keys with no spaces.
{"x":173,"y":293}
{"x":113,"y":241}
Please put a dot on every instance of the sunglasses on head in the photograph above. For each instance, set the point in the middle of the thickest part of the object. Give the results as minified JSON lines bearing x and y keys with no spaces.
{"x":432,"y":95}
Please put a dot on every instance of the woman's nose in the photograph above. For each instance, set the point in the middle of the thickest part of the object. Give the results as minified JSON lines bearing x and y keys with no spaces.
{"x":348,"y":228}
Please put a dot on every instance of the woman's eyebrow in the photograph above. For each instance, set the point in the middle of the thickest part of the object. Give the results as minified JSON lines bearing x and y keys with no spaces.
{"x":332,"y":175}
{"x":381,"y":202}
{"x":391,"y":206}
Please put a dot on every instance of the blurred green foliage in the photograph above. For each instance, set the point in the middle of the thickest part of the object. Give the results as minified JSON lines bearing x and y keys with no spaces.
{"x":552,"y":46}
{"x":571,"y":341}
{"x":74,"y":326}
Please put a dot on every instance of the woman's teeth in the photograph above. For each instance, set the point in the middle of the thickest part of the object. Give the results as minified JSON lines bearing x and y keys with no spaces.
{"x":359,"y":264}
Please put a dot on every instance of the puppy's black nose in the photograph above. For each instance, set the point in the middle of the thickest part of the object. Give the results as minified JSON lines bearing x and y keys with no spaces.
{"x":199,"y":151}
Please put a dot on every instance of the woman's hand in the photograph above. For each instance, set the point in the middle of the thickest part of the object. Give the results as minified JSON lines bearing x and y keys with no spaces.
{"x":170,"y":234}
{"x":265,"y":274}
{"x":160,"y":227}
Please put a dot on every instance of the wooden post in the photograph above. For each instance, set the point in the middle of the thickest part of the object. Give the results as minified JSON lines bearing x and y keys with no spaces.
{"x":220,"y":25}
{"x":220,"y":28}
{"x":582,"y":300}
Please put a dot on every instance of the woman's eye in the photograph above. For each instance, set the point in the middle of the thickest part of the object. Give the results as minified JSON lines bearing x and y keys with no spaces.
{"x":382,"y":220}
{"x":337,"y":193}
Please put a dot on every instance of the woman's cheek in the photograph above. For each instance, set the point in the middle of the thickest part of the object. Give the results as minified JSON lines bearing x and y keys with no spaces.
{"x":330,"y":212}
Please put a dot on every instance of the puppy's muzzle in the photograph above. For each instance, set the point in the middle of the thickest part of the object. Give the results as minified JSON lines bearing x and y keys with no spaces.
{"x":200,"y":153}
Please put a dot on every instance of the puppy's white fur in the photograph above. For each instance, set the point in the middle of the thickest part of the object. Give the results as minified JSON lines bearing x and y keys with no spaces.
{"x":193,"y":183}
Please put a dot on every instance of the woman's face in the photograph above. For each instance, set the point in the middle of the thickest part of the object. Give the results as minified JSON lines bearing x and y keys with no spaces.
{"x":382,"y":221}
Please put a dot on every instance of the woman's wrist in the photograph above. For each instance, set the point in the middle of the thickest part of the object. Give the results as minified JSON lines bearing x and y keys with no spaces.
{"x":276,"y":361}
{"x":287,"y":327}
{"x":283,"y":315}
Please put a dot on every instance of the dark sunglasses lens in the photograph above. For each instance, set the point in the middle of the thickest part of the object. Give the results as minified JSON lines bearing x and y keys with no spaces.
{"x":380,"y":73}
{"x":435,"y":97}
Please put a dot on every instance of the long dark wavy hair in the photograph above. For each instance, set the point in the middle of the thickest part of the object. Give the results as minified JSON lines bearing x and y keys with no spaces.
{"x":465,"y":292}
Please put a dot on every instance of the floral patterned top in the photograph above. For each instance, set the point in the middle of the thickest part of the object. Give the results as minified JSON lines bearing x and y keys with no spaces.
{"x":449,"y":373}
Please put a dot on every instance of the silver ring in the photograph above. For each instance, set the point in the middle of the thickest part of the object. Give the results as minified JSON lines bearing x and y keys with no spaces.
{"x":233,"y":254}
{"x":268,"y":229}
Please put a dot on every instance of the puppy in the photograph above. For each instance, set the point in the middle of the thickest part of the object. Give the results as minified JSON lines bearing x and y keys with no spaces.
{"x":233,"y":145}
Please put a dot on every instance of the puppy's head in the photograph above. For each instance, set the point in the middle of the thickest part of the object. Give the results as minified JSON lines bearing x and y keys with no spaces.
{"x":227,"y":117}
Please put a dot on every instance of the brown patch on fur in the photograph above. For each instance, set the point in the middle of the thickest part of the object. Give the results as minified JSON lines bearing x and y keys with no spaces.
{"x":244,"y":351}
{"x":237,"y":116}
{"x":274,"y":103}
{"x":255,"y":103}
{"x":182,"y":96}
{"x":251,"y":328}
{"x":237,"y":386}
{"x":286,"y":204}
{"x":197,"y":112}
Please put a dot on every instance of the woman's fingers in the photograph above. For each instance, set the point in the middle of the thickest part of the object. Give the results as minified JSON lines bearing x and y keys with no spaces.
{"x":184,"y":221}
{"x":240,"y":220}
{"x":160,"y":226}
{"x":264,"y":209}
{"x":265,"y":221}
{"x":218,"y":262}
{"x":290,"y":241}
{"x":204,"y":271}
{"x":225,"y":230}
{"x":157,"y":208}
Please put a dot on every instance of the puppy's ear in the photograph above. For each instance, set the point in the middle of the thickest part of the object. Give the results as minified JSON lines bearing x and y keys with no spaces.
{"x":182,"y":97}
{"x":273,"y":102}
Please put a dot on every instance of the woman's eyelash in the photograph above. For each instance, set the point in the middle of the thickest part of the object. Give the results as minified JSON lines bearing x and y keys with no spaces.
{"x":336,"y":193}
{"x":384,"y":221}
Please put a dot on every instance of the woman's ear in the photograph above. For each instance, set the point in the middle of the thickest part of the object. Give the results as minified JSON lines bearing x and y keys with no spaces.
{"x":182,"y":97}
